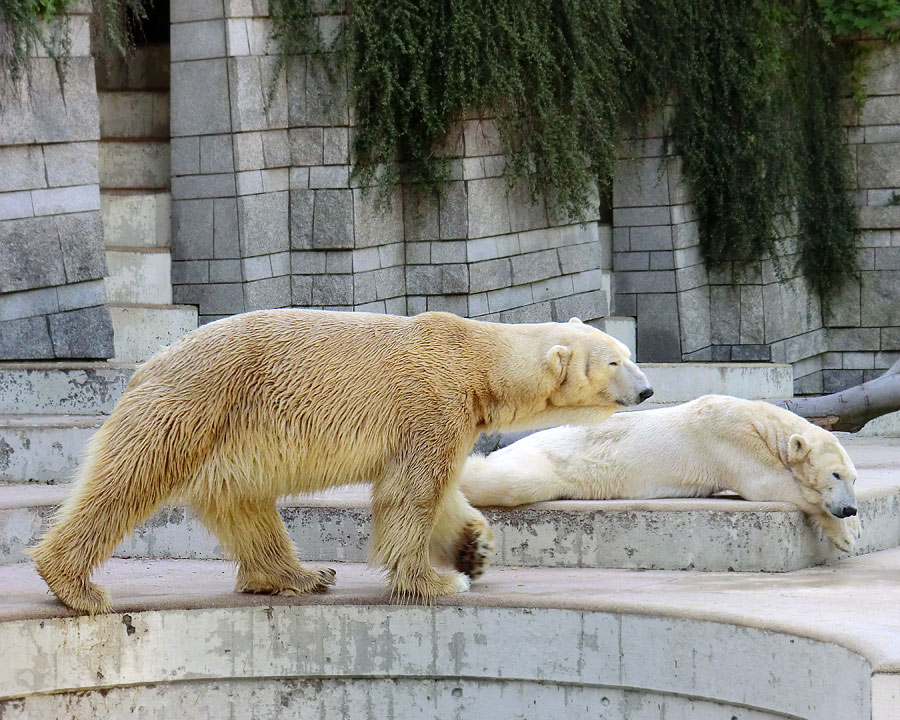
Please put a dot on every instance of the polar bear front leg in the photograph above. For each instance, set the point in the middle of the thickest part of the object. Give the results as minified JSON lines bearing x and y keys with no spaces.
{"x":461,"y":537}
{"x":405,"y":502}
{"x":843,"y":533}
{"x":252,"y":532}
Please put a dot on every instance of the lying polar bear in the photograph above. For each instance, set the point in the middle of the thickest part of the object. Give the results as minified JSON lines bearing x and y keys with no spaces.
{"x":713,"y":443}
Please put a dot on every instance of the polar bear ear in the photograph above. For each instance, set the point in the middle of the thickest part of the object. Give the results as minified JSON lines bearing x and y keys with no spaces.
{"x":575,"y":321}
{"x":558,"y":360}
{"x":798,"y":448}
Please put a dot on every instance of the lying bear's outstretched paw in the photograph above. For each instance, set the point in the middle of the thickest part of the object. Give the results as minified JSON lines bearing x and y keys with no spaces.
{"x":299,"y":582}
{"x":475,"y":551}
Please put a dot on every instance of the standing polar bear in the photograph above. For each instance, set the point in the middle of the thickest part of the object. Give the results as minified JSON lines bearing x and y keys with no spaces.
{"x":713,"y":443}
{"x":270,"y":403}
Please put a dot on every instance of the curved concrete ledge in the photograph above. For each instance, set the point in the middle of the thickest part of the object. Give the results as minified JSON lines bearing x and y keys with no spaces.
{"x":819,"y":643}
{"x":703,"y":534}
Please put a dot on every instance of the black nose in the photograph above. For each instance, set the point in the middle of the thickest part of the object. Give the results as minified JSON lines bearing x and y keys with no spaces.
{"x":846,"y":512}
{"x":646,"y":393}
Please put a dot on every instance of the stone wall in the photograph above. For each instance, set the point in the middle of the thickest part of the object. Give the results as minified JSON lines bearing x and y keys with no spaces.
{"x":265,"y":213}
{"x":764,"y":311}
{"x":52,"y":296}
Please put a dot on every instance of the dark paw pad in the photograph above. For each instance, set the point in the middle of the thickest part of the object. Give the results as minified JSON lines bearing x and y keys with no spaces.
{"x":474,"y":554}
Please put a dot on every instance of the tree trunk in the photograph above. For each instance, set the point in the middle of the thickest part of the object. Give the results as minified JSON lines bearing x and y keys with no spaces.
{"x":850,"y":409}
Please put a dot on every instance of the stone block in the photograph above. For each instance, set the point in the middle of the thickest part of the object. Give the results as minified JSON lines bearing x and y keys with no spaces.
{"x":553,"y":288}
{"x":654,"y":237}
{"x":454,"y":278}
{"x":376,"y":221}
{"x":751,"y":353}
{"x":301,"y":290}
{"x":82,"y":246}
{"x":590,"y":280}
{"x":335,"y":146}
{"x":198,"y":40}
{"x":248,"y":151}
{"x":454,"y":211}
{"x":456,"y":304}
{"x":185,"y":155}
{"x":256,"y":268}
{"x":192,"y":271}
{"x":421,"y":215}
{"x":836,"y":380}
{"x":339,"y":261}
{"x":490,"y":275}
{"x":15,"y":205}
{"x":876,"y":165}
{"x":890,"y":338}
{"x":685,"y":235}
{"x":139,"y":114}
{"x":364,"y":292}
{"x":216,"y":155}
{"x":250,"y":82}
{"x":423,"y":279}
{"x":880,"y":300}
{"x":332,"y":219}
{"x":221,"y":271}
{"x":31,"y":256}
{"x":302,"y":206}
{"x":625,"y":305}
{"x":488,"y":211}
{"x":631,"y":261}
{"x":62,"y":119}
{"x":888,"y":259}
{"x":858,"y":361}
{"x":640,"y":216}
{"x":534,"y":266}
{"x":332,"y":290}
{"x":390,"y":282}
{"x":391,"y":255}
{"x":418,"y":253}
{"x":752,"y":315}
{"x":200,"y":98}
{"x":25,"y":339}
{"x":329,"y":176}
{"x":193,"y":187}
{"x":263,"y":222}
{"x":180,"y":12}
{"x":527,"y":211}
{"x":509,"y":297}
{"x":639,"y":182}
{"x":657,"y":328}
{"x":226,"y":239}
{"x":694,"y":311}
{"x":28,"y":303}
{"x":249,"y":182}
{"x":662,"y":260}
{"x":54,"y":201}
{"x":587,"y":306}
{"x":855,"y":339}
{"x":212,"y":298}
{"x":877,"y":134}
{"x":576,"y":258}
{"x":621,"y":239}
{"x":365,"y":260}
{"x":448,"y":251}
{"x":844,"y":308}
{"x":790,"y":309}
{"x":82,"y":334}
{"x":416,"y":305}
{"x":881,"y":110}
{"x":192,"y":229}
{"x":23,"y":167}
{"x":536,"y":313}
{"x":274,"y":292}
{"x":307,"y":146}
{"x":724,"y":314}
{"x":649,"y":281}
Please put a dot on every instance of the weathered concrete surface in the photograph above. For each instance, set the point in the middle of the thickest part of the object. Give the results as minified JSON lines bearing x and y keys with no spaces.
{"x":62,"y":388}
{"x":140,"y":331}
{"x":44,"y":448}
{"x":817,"y":643}
{"x":679,"y":382}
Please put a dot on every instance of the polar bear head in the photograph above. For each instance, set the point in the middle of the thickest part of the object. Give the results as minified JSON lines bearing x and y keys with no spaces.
{"x":824,"y":470}
{"x":594,"y":370}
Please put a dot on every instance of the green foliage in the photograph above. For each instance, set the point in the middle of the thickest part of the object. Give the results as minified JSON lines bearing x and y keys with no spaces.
{"x":871,"y":17}
{"x":753,"y":89}
{"x":25,"y":27}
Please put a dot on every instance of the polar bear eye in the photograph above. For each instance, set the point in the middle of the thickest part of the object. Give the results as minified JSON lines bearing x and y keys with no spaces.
{"x":836,"y":476}
{"x":614,"y":364}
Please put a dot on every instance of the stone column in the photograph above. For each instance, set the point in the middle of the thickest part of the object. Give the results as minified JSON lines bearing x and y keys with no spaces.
{"x":52,"y":262}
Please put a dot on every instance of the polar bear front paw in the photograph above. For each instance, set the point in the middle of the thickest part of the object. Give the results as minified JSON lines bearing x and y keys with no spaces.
{"x":853,"y":526}
{"x":476,"y":550}
{"x":844,"y":536}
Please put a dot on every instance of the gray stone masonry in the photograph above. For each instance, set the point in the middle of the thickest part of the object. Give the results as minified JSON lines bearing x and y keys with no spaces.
{"x":266,"y":214}
{"x":52,"y":261}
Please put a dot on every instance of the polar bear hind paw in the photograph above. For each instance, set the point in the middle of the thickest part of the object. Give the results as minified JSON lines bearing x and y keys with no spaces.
{"x":301,"y":582}
{"x":475,"y":552}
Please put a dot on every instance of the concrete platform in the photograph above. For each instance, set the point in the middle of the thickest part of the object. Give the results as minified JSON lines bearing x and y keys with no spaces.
{"x":821,"y":644}
{"x":139,"y":164}
{"x":62,"y":388}
{"x":680,"y":382}
{"x":710,"y":534}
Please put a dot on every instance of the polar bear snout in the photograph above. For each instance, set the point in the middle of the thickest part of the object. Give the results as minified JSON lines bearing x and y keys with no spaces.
{"x":646,"y":394}
{"x":630,"y":385}
{"x":843,"y":512}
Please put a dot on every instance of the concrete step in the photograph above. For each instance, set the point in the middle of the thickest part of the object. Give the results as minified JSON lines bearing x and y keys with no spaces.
{"x":62,"y":388}
{"x":142,"y":164}
{"x":43,"y":448}
{"x":140,"y":331}
{"x":134,"y":114}
{"x":680,"y":382}
{"x":818,"y":644}
{"x":137,"y":219}
{"x":710,"y":534}
{"x":139,"y":275}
